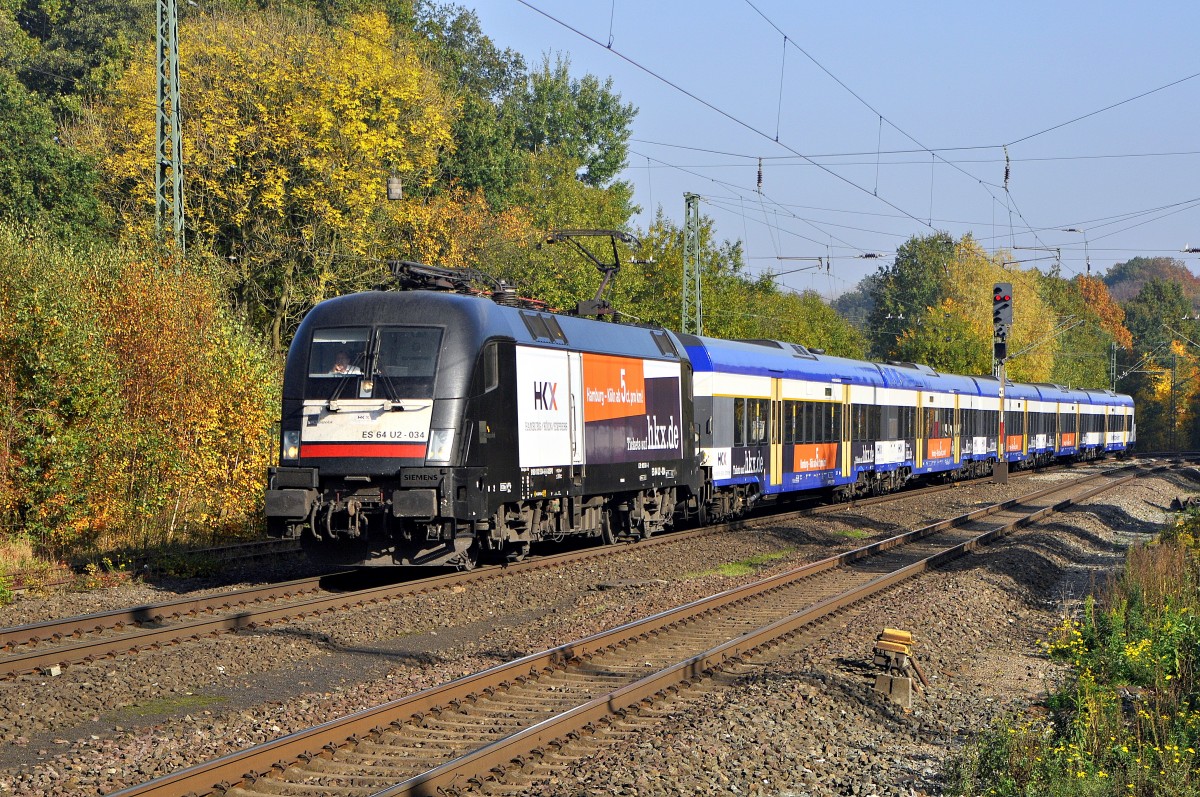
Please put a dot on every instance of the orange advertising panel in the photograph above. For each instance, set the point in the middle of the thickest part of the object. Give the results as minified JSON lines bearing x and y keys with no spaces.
{"x":940,"y":448}
{"x":613,"y":387}
{"x":814,"y":456}
{"x":1068,"y":439}
{"x":1014,"y":442}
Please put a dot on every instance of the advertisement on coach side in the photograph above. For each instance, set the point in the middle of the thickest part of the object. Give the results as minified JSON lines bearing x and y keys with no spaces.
{"x":576,"y":408}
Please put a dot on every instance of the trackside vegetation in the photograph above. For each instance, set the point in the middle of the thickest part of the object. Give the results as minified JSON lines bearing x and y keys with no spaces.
{"x":1125,"y":718}
{"x":134,"y":410}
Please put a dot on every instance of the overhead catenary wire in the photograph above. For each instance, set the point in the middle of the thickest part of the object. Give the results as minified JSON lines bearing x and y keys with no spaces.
{"x":865,"y":153}
{"x":876,"y":111}
{"x":716,"y":109}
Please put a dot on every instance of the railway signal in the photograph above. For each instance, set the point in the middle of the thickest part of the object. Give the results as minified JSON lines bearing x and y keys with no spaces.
{"x":1002,"y":316}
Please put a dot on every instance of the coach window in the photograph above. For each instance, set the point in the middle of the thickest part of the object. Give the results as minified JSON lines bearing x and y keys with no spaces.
{"x":758,"y":421}
{"x":889,"y":423}
{"x":1014,"y":422}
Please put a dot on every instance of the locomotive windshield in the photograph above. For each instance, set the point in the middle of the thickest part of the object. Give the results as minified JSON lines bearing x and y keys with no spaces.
{"x":338,"y":352}
{"x":388,"y":363}
{"x":406,"y":362}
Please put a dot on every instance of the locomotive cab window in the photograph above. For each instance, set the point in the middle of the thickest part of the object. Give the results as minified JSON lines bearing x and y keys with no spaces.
{"x":487,"y":369}
{"x":407,"y":360}
{"x":338,"y":352}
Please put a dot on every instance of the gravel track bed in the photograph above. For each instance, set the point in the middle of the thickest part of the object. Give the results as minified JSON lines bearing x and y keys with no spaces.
{"x":118,"y":722}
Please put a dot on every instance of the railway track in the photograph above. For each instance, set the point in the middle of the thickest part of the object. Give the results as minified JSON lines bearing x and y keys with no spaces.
{"x":480,"y":731}
{"x":49,"y":646}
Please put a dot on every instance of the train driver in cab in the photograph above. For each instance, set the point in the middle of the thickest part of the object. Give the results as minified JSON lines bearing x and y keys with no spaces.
{"x":342,"y":364}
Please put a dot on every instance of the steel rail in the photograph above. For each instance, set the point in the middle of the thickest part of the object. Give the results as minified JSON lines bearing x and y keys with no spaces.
{"x":223,"y":772}
{"x":150,"y":638}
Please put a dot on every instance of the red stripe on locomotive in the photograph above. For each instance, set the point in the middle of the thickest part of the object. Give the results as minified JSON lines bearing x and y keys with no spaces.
{"x":387,"y":450}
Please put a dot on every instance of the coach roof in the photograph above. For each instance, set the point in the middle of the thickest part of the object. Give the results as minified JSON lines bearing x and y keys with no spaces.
{"x":792,"y":361}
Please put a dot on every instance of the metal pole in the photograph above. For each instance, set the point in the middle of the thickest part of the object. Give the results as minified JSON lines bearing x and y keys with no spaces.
{"x":1000,"y":472}
{"x":692,"y":311}
{"x":168,"y":150}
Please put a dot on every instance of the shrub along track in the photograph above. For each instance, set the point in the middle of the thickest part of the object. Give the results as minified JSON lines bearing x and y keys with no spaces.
{"x":87,"y":638}
{"x":465,"y":731}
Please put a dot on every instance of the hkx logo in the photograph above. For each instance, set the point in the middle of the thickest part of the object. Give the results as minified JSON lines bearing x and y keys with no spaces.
{"x":543,"y":396}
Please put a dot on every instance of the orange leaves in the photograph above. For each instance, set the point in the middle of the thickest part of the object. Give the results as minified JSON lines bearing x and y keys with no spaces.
{"x":457,"y":229}
{"x":134,"y":405}
{"x":1112,"y":316}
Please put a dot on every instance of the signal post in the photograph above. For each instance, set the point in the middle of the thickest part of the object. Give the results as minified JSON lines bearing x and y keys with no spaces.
{"x":1002,"y":316}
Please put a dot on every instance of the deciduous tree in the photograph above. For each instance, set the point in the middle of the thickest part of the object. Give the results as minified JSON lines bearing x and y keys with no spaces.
{"x":289,"y":131}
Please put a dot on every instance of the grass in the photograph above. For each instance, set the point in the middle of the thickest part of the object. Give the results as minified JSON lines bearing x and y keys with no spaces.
{"x":18,"y":555}
{"x":853,"y":534}
{"x":744,"y":567}
{"x":1126,"y":718}
{"x":166,"y":705}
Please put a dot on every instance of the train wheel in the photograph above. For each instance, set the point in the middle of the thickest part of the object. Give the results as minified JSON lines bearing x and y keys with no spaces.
{"x":466,"y":560}
{"x":516,"y":551}
{"x":607,"y":534}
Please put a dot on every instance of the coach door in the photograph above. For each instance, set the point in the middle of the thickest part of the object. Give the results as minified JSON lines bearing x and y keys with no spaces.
{"x":847,"y":419}
{"x":956,"y":432}
{"x":775,"y":474}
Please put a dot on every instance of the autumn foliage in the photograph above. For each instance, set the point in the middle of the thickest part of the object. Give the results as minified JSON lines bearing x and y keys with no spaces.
{"x":290,"y":127}
{"x":135,"y":411}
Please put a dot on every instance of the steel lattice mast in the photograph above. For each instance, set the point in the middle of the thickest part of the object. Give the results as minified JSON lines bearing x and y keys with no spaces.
{"x":692,"y":313}
{"x":168,"y":152}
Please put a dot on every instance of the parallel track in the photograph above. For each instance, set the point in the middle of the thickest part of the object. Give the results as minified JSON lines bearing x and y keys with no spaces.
{"x":471,"y":730}
{"x":39,"y":647}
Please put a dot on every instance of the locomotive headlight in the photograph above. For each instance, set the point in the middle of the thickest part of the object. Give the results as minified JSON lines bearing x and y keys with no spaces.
{"x":290,"y":445}
{"x":441,"y":443}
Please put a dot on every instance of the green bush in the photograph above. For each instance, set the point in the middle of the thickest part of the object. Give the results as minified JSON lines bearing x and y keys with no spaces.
{"x":1126,"y":719}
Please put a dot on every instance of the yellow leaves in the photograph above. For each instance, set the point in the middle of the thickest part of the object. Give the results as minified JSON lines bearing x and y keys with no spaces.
{"x":283,"y":120}
{"x":972,"y":272}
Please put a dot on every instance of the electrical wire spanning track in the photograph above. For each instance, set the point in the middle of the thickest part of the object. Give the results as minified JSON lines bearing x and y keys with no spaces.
{"x":470,"y":732}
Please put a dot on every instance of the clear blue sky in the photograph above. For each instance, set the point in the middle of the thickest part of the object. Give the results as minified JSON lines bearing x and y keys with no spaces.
{"x":950,"y":75}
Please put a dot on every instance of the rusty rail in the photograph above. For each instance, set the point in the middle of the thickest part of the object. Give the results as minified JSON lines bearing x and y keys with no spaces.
{"x":251,"y":764}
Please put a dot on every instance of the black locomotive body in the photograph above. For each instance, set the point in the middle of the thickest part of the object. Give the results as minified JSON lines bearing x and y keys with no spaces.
{"x":435,"y":428}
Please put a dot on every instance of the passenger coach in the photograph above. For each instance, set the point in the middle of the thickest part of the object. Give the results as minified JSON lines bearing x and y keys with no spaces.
{"x":775,"y":418}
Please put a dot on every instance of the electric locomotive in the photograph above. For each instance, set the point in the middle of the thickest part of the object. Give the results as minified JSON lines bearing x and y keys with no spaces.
{"x":435,"y":428}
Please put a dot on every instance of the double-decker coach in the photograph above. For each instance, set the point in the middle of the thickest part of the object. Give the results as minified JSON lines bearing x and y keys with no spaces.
{"x":776,"y":418}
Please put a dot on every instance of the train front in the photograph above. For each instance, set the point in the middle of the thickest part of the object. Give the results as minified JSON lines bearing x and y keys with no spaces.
{"x":374,"y":393}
